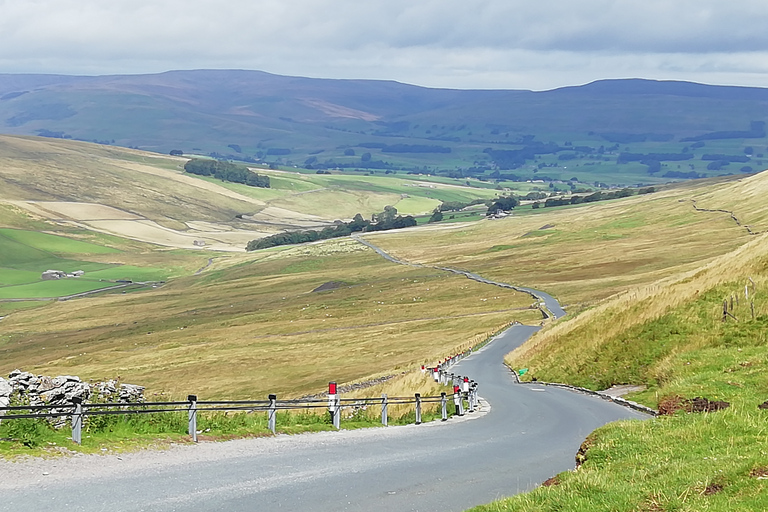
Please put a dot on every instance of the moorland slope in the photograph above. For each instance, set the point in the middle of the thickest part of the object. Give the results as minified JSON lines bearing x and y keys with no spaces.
{"x":148,"y":197}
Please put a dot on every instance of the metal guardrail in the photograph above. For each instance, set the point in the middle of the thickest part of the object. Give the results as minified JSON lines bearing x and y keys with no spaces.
{"x":464,"y":390}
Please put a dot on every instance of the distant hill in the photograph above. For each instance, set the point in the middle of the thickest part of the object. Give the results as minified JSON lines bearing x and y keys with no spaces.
{"x":257,"y":116}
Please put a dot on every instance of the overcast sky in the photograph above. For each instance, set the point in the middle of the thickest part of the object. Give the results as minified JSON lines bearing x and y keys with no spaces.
{"x":503,"y":44}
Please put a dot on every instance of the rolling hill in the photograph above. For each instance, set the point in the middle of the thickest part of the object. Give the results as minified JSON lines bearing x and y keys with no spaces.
{"x":148,"y":197}
{"x":327,"y":124}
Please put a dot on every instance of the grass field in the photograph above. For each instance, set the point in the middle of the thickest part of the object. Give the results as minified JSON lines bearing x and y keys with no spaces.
{"x":672,"y":338}
{"x":165,"y":206}
{"x":251,"y":325}
{"x":645,"y":277}
{"x":585,"y":253}
{"x":28,"y":247}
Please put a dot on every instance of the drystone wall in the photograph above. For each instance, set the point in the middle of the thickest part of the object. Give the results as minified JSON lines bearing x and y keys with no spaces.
{"x":25,"y":388}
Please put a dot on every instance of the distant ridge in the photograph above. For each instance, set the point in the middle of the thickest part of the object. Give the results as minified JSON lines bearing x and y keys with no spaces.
{"x":294,"y":121}
{"x":637,"y":86}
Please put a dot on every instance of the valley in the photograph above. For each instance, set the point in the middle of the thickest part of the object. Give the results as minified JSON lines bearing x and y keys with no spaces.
{"x":643,"y":279}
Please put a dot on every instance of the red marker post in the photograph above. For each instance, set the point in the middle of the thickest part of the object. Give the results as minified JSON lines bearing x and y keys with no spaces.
{"x":457,"y":400}
{"x":333,"y":405}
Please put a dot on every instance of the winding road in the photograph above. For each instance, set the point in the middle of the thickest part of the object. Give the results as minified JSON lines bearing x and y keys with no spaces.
{"x":522,"y":435}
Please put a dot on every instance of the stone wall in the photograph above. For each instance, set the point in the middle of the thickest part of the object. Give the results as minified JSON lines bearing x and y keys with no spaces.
{"x":24,"y":388}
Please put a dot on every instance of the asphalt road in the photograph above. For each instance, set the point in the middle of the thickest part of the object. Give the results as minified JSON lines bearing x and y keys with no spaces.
{"x":529,"y":434}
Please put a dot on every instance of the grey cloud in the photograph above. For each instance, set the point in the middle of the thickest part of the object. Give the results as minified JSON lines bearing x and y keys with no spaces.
{"x":434,"y":42}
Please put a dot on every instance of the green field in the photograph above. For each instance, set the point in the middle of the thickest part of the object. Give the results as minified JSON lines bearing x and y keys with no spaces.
{"x":254,"y":318}
{"x":25,"y":255}
{"x":644,"y":279}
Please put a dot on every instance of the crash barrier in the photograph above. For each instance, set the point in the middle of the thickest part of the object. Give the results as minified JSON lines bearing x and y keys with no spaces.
{"x":464,"y":391}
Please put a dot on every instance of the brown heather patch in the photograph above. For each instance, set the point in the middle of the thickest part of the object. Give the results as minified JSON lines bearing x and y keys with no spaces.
{"x":552,"y":481}
{"x":760,"y":472}
{"x":581,"y":455}
{"x":712,"y":489}
{"x":672,"y":404}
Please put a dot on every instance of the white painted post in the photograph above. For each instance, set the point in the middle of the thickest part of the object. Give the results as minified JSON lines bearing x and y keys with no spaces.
{"x":384,"y":407}
{"x":465,"y":385}
{"x":418,"y":408}
{"x":272,"y":413}
{"x":333,"y":404}
{"x":457,"y":399}
{"x":192,"y":415}
{"x":444,"y":406}
{"x":436,"y":374}
{"x":337,"y":416}
{"x":77,"y":420}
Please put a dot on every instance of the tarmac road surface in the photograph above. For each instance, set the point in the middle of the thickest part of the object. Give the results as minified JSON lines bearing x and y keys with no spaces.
{"x":528,"y":434}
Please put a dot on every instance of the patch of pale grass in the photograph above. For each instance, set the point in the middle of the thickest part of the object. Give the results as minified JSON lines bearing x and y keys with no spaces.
{"x":251,"y":325}
{"x":585,"y":254}
{"x":592,"y":327}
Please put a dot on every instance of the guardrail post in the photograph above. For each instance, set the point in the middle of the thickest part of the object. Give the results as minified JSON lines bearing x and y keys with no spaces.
{"x":444,"y":405}
{"x":272,"y":413}
{"x":333,"y":405}
{"x":192,"y":414}
{"x":418,"y":408}
{"x":456,"y":399}
{"x":384,"y":406}
{"x":77,"y":420}
{"x":337,"y":416}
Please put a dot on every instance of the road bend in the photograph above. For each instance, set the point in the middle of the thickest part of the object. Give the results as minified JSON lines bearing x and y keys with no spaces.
{"x":524,"y":435}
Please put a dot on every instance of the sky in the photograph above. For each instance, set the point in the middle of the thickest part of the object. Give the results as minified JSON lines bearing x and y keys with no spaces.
{"x":464,"y":44}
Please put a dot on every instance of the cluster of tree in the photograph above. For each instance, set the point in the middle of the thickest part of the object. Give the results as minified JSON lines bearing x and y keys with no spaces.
{"x":437,"y":216}
{"x":506,"y":177}
{"x":631,"y":138}
{"x":727,"y":158}
{"x":659,"y":157}
{"x":414,"y":148}
{"x":405,"y":148}
{"x":386,"y":220}
{"x":692,"y":175}
{"x":515,"y":158}
{"x":455,"y":206}
{"x":595,"y":196}
{"x":502,"y":204}
{"x":756,"y":131}
{"x":226,"y":171}
{"x":51,"y":134}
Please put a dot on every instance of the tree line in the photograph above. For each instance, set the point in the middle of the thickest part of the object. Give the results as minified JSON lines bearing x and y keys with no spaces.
{"x":596,"y":196}
{"x":386,"y":220}
{"x":226,"y":171}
